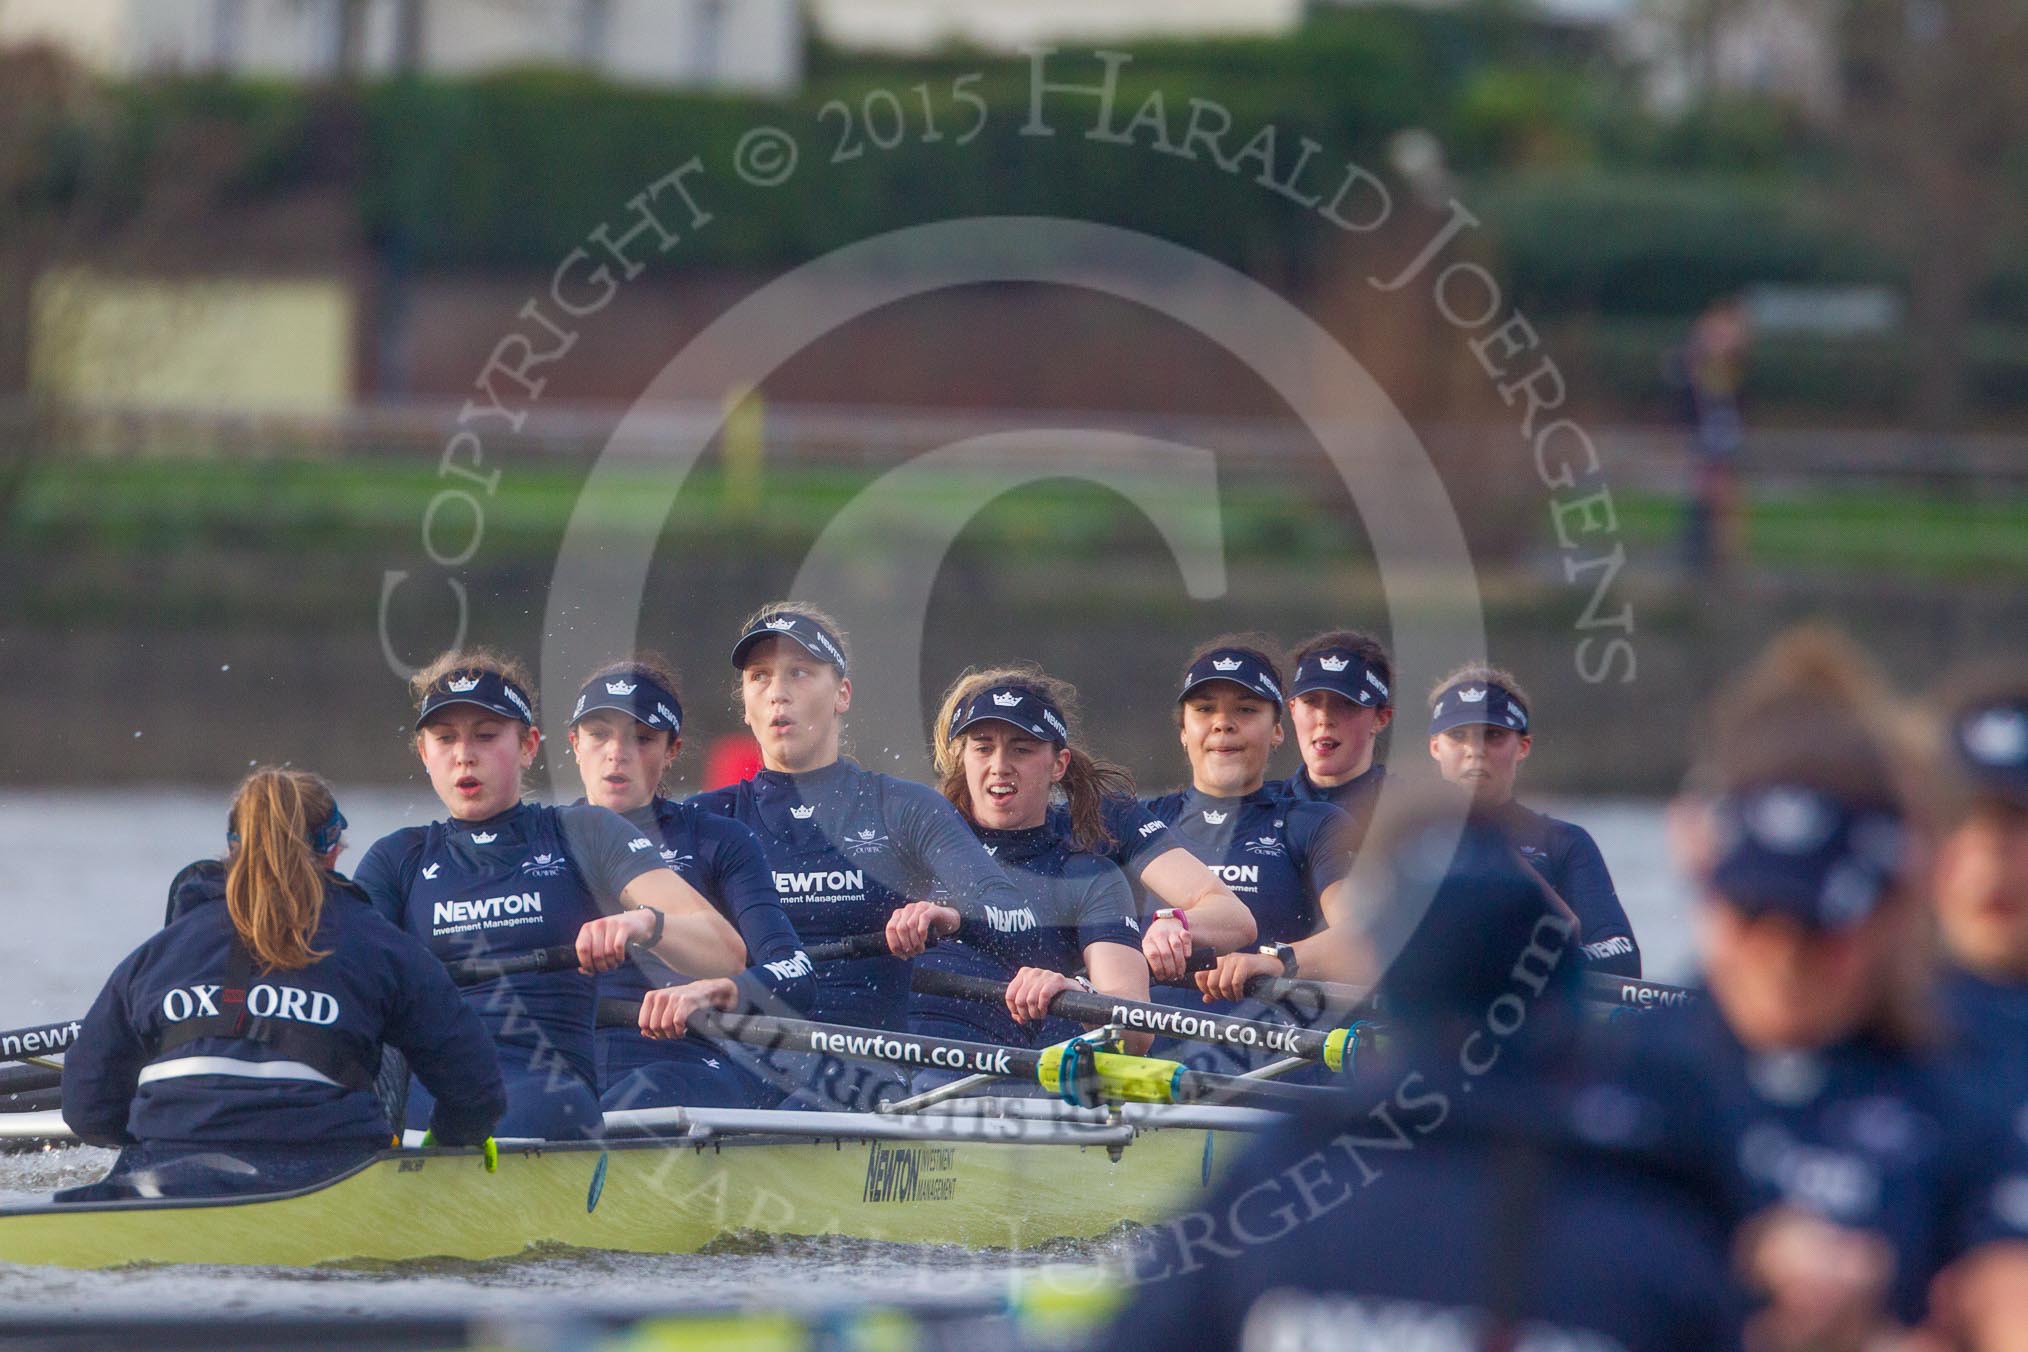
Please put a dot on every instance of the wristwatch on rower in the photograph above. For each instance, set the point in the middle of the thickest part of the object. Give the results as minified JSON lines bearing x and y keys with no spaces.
{"x":655,"y":934}
{"x":1285,"y":954}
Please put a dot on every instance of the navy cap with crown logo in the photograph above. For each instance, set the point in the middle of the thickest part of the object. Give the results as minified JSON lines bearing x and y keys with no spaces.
{"x":813,"y":637}
{"x":1991,"y":742}
{"x":1019,"y":706}
{"x":634,"y":693}
{"x":487,"y":690}
{"x":1342,"y":672}
{"x":1463,"y":704}
{"x":1788,"y":849}
{"x":1243,"y":668}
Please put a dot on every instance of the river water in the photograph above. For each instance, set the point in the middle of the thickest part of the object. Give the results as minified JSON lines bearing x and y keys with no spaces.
{"x":82,"y":881}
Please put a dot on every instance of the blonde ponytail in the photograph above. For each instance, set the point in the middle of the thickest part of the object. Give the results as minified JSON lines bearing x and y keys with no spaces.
{"x":274,"y":884}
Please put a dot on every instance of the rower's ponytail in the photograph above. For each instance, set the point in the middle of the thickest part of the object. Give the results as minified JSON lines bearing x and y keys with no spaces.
{"x":274,"y":886}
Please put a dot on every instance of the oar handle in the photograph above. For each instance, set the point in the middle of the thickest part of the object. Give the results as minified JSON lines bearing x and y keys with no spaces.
{"x":872,"y":944}
{"x":556,"y":958}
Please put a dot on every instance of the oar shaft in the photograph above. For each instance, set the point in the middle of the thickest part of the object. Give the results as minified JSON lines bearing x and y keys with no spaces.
{"x":1140,"y":1016}
{"x":44,"y":1039}
{"x":864,"y":1044}
{"x":1634,"y":993}
{"x":563,"y":958}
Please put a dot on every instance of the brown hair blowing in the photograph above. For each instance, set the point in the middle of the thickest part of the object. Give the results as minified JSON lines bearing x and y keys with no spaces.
{"x":1813,"y":710}
{"x":1086,"y":784}
{"x":274,"y":882}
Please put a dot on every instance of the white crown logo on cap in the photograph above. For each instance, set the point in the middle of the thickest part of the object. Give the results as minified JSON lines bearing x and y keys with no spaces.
{"x":803,"y":813}
{"x":1007,"y":700}
{"x":1334,"y":663}
{"x":620,"y":687}
{"x":1225,"y":664}
{"x":1998,"y":737}
{"x":784,"y":622}
{"x":463,"y":685}
{"x":1790,"y":821}
{"x":1476,"y":695}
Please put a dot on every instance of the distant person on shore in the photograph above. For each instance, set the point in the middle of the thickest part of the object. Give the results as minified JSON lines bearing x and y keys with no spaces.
{"x":1709,"y":371}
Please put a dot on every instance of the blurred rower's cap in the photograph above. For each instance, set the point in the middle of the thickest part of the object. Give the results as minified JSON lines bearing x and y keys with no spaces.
{"x":1990,"y":740}
{"x":1018,"y":706}
{"x":1475,"y":702}
{"x":1342,"y":672}
{"x":1485,"y":916}
{"x":813,"y":637}
{"x":1237,"y":665}
{"x":1786,"y":849}
{"x":487,"y":690}
{"x":635,"y":694}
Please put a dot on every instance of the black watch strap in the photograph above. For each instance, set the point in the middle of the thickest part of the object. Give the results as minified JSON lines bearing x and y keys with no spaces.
{"x":1284,"y":954}
{"x":655,"y":934}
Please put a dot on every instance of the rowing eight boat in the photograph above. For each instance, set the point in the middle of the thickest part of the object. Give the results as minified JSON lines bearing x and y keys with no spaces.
{"x":997,"y":1174}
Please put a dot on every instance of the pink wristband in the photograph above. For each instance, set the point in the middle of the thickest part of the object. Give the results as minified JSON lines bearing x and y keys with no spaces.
{"x":1171,"y":913}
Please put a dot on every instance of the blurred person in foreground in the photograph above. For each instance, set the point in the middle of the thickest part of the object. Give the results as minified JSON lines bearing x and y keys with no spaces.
{"x":1508,"y":1174}
{"x":1884,"y":1175}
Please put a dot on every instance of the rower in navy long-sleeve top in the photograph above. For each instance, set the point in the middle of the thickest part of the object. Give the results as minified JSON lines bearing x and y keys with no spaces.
{"x":847,"y":846}
{"x":1479,"y":735}
{"x":1285,"y":859}
{"x":1980,"y":888}
{"x":1339,"y":701}
{"x":501,"y":876}
{"x":261,"y":1047}
{"x":1004,"y":750}
{"x":626,"y":731}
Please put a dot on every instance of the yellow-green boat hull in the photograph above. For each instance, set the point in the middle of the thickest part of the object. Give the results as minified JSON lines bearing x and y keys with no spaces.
{"x":648,"y":1196}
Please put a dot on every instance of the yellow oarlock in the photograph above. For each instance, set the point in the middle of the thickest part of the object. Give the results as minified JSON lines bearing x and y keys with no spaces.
{"x":489,"y":1149}
{"x":1085,"y":1077}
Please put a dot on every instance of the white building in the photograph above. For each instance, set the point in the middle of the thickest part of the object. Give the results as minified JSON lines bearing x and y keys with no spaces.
{"x":1004,"y":25}
{"x":745,"y":45}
